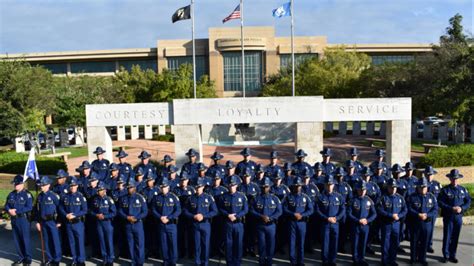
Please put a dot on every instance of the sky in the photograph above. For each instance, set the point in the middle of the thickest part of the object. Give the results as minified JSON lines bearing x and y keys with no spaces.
{"x":66,"y":25}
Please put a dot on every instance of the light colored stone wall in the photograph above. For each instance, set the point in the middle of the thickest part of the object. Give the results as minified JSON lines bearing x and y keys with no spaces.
{"x":186,"y":137}
{"x":398,"y":141}
{"x":309,"y":137}
{"x":99,"y":136}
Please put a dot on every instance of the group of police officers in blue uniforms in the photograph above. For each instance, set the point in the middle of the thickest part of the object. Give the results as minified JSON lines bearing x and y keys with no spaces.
{"x":229,"y":208}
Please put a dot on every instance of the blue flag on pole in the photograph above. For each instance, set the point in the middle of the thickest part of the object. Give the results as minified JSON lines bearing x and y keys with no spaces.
{"x":31,"y":171}
{"x":282,"y":11}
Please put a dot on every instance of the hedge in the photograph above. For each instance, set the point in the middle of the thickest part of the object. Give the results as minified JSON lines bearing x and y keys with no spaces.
{"x":14,"y":163}
{"x":457,"y":155}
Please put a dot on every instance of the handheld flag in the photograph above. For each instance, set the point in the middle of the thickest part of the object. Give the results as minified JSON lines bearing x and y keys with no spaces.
{"x":182,"y":14}
{"x":31,"y":171}
{"x":282,"y":11}
{"x":234,"y":15}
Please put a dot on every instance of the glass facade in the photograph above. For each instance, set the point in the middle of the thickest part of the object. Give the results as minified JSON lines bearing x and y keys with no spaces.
{"x":55,"y":68}
{"x":233,"y":71}
{"x":201,"y":64}
{"x":380,"y":59}
{"x":144,"y":64}
{"x":285,"y":59}
{"x":93,"y":67}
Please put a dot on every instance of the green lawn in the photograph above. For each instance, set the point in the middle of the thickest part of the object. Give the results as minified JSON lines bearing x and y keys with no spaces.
{"x":75,"y":151}
{"x":416,"y":144}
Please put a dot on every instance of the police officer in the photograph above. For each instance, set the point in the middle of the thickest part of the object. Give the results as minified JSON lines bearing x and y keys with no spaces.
{"x":266,"y":208}
{"x":91,"y":222}
{"x":297,"y":207}
{"x":201,"y":208}
{"x":435,"y":188}
{"x":453,"y":200}
{"x":318,"y":176}
{"x":19,"y":204}
{"x":233,"y":206}
{"x":216,"y":167}
{"x":132,"y":208}
{"x":73,"y":207}
{"x":85,"y":173}
{"x":251,"y":190}
{"x":104,"y":210}
{"x":45,"y":214}
{"x":287,"y":170}
{"x":328,"y":166}
{"x":330,"y":209}
{"x":246,"y":163}
{"x":374,"y":193}
{"x":422,"y":208}
{"x":345,"y":190}
{"x":149,"y":225}
{"x":391,"y":209}
{"x":281,"y":191}
{"x":163,"y":170}
{"x":379,"y":177}
{"x":379,"y":162}
{"x":191,"y":167}
{"x":146,"y":167}
{"x":410,"y":179}
{"x":352,"y":174}
{"x":111,"y":180}
{"x":61,"y":186}
{"x":259,"y":173}
{"x":354,"y":153}
{"x":402,"y":189}
{"x":172,"y":177}
{"x":118,"y":223}
{"x":100,"y":165}
{"x":166,"y":209}
{"x":299,"y":165}
{"x":310,"y":189}
{"x":229,"y":168}
{"x":273,"y":169}
{"x":140,"y":178}
{"x":217,"y":191}
{"x":185,"y":239}
{"x":125,"y":169}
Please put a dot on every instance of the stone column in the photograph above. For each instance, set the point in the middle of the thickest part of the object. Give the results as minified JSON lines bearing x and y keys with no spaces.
{"x":309,"y":137}
{"x":19,"y":145}
{"x":148,"y":131}
{"x":172,"y":130}
{"x":356,"y":128}
{"x":186,"y":137}
{"x":121,"y":133}
{"x":398,"y":141}
{"x":161,"y":130}
{"x":342,"y":128}
{"x":79,"y":135}
{"x":206,"y":133}
{"x":427,"y":132}
{"x":369,"y":131}
{"x":328,"y":127}
{"x":383,"y":129}
{"x":134,"y":132}
{"x":99,"y":136}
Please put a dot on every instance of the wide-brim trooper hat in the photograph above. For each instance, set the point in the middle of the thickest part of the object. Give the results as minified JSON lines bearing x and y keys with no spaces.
{"x":62,"y":174}
{"x":201,"y":182}
{"x":392,"y":182}
{"x":121,"y":154}
{"x":295,"y":182}
{"x":422,"y":182}
{"x":329,"y":179}
{"x":265,"y":182}
{"x":164,"y":182}
{"x":361,"y":185}
{"x":326,"y":152}
{"x":217,"y":156}
{"x":99,"y":150}
{"x":191,"y":153}
{"x":245,"y":152}
{"x":45,"y":180}
{"x":353,"y":151}
{"x":300,"y":153}
{"x":454,"y":174}
{"x":273,"y":154}
{"x":380,"y":153}
{"x":167,"y":159}
{"x":144,"y":155}
{"x":114,"y":167}
{"x":396,"y":168}
{"x":429,"y":170}
{"x":73,"y":181}
{"x":409,"y":166}
{"x":234,"y":180}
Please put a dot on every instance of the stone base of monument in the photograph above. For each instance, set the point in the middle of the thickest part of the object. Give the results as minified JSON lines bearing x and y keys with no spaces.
{"x":247,"y":143}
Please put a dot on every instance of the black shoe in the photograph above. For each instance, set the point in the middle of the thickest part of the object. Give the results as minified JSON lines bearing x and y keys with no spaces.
{"x":309,"y":251}
{"x":252,"y":253}
{"x":26,"y":263}
{"x":430,"y":250}
{"x":401,"y":250}
{"x":394,"y":264}
{"x":424,"y":263}
{"x":364,"y":263}
{"x":369,"y":250}
{"x":453,"y":260}
{"x":18,"y":262}
{"x":444,"y":260}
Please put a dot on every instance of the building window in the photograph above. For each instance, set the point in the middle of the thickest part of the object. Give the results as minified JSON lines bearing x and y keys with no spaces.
{"x":285,"y":59}
{"x":201,"y":64}
{"x":93,"y":67}
{"x":144,"y":64}
{"x":233,"y":71}
{"x":381,"y":59}
{"x":55,"y":68}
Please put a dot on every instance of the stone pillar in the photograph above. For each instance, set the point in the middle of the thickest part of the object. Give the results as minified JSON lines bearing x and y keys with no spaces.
{"x":342,"y":128}
{"x":427,"y":131}
{"x":383,"y":129}
{"x":148,"y":132}
{"x":63,"y":137}
{"x":134,"y":132}
{"x":369,"y":131}
{"x":172,"y":129}
{"x":206,"y":133}
{"x":356,"y":128}
{"x":309,"y":137}
{"x":186,"y":137}
{"x":99,"y":136}
{"x":443,"y":132}
{"x":328,"y":127}
{"x":161,"y":130}
{"x":79,"y":135}
{"x":19,"y":145}
{"x":121,"y":133}
{"x":398,"y":141}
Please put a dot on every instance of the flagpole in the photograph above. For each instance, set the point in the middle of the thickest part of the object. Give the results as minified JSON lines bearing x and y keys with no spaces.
{"x":194,"y":49}
{"x":292,"y":51}
{"x":242,"y":45}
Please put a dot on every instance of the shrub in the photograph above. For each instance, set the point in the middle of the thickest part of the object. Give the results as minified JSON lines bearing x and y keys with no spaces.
{"x":457,"y":155}
{"x":14,"y":163}
{"x":167,"y":138}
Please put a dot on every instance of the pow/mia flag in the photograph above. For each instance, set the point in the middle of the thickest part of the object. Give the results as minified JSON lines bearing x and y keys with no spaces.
{"x":182,"y":14}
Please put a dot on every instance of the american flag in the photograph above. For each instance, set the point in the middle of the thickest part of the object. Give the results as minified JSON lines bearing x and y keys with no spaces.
{"x":234,"y":15}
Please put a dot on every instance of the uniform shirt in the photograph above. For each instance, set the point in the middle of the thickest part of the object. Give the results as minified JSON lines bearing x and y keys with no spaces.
{"x":373,"y":167}
{"x":132,"y":205}
{"x":101,"y":167}
{"x":166,"y":205}
{"x":328,"y":168}
{"x":311,"y":190}
{"x":216,"y":168}
{"x":126,"y":170}
{"x":74,"y":203}
{"x":373,"y":191}
{"x":411,"y":184}
{"x":233,"y":203}
{"x":117,"y":194}
{"x":358,"y":166}
{"x":46,"y":206}
{"x":147,"y":170}
{"x":434,"y":187}
{"x":330,"y":205}
{"x":141,"y":186}
{"x":391,"y":204}
{"x":280,"y":191}
{"x":268,"y":205}
{"x":111,"y":182}
{"x":250,"y":190}
{"x":61,"y":189}
{"x":361,"y":208}
{"x":203,"y":204}
{"x":380,"y":180}
{"x":184,"y":193}
{"x":345,"y":190}
{"x":297,"y":203}
{"x":82,"y":183}
{"x":191,"y":169}
{"x":272,"y":170}
{"x":451,"y":196}
{"x":217,"y":192}
{"x":300,"y":167}
{"x":104,"y":205}
{"x":419,"y":203}
{"x":242,"y":165}
{"x":402,"y":187}
{"x":22,"y":201}
{"x":90,"y":193}
{"x":351,"y":179}
{"x":148,"y":193}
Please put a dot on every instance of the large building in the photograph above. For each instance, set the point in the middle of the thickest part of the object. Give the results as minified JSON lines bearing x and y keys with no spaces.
{"x":218,"y":56}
